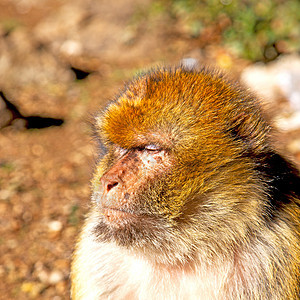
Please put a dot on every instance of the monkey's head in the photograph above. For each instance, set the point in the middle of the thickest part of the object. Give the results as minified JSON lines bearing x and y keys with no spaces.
{"x":178,"y":172}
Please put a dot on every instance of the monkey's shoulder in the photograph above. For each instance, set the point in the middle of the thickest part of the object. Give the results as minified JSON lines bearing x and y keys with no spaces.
{"x":282,"y":179}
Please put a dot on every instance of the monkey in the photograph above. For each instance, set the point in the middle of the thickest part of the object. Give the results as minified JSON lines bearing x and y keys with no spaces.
{"x":190,"y":199}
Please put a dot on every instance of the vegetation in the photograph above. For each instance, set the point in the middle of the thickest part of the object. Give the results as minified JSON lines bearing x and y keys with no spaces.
{"x":255,"y":30}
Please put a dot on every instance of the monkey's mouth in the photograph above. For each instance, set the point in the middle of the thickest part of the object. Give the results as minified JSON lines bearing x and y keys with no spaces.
{"x":117,"y":216}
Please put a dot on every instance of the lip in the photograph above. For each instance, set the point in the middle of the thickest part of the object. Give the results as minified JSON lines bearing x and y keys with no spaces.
{"x":115,"y":215}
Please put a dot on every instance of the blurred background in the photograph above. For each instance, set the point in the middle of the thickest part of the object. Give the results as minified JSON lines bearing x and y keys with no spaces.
{"x":62,"y":60}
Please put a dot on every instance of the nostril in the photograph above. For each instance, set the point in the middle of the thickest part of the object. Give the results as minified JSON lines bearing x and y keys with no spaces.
{"x":111,"y":185}
{"x":109,"y":181}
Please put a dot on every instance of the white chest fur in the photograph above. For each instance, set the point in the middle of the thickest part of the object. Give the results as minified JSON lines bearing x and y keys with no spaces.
{"x":118,"y":274}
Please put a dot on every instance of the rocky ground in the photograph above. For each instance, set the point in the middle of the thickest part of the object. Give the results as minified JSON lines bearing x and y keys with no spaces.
{"x":60,"y":62}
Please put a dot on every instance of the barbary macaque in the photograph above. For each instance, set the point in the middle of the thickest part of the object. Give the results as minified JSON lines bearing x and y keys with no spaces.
{"x":190,"y":199}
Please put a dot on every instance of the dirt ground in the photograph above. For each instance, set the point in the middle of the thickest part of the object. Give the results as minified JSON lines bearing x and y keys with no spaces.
{"x":60,"y":62}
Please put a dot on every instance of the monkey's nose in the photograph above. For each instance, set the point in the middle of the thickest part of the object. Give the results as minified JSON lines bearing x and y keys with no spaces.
{"x":109,"y":183}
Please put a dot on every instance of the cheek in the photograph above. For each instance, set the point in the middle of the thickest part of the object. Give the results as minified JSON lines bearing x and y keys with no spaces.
{"x":148,"y":167}
{"x":154,"y":161}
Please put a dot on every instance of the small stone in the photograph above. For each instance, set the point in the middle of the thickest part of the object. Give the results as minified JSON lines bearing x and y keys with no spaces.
{"x":71,"y":47}
{"x":33,"y":289}
{"x":55,"y":226}
{"x":55,"y":277}
{"x":5,"y":194}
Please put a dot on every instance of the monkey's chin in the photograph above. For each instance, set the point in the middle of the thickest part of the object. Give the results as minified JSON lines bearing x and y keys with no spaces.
{"x":145,"y":236}
{"x":125,"y":228}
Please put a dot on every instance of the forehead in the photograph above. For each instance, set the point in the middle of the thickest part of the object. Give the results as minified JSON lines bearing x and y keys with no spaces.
{"x":173,"y":90}
{"x":168,"y":103}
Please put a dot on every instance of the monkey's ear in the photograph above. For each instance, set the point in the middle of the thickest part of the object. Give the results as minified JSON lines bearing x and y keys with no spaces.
{"x":250,"y":129}
{"x":235,"y":127}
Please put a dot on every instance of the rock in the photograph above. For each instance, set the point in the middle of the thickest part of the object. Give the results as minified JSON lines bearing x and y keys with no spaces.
{"x":289,"y":122}
{"x":275,"y":80}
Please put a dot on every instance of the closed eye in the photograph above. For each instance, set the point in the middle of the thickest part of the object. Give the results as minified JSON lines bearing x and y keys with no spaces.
{"x":152,"y":147}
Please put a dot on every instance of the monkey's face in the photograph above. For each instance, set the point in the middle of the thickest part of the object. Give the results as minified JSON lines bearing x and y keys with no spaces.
{"x":174,"y":173}
{"x":120,"y":190}
{"x":132,"y":196}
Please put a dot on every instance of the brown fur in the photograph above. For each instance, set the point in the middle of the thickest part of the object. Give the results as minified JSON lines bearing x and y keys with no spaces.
{"x":190,"y":201}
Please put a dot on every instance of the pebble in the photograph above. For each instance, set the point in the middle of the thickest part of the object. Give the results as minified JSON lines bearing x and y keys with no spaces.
{"x":55,"y":226}
{"x":55,"y":277}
